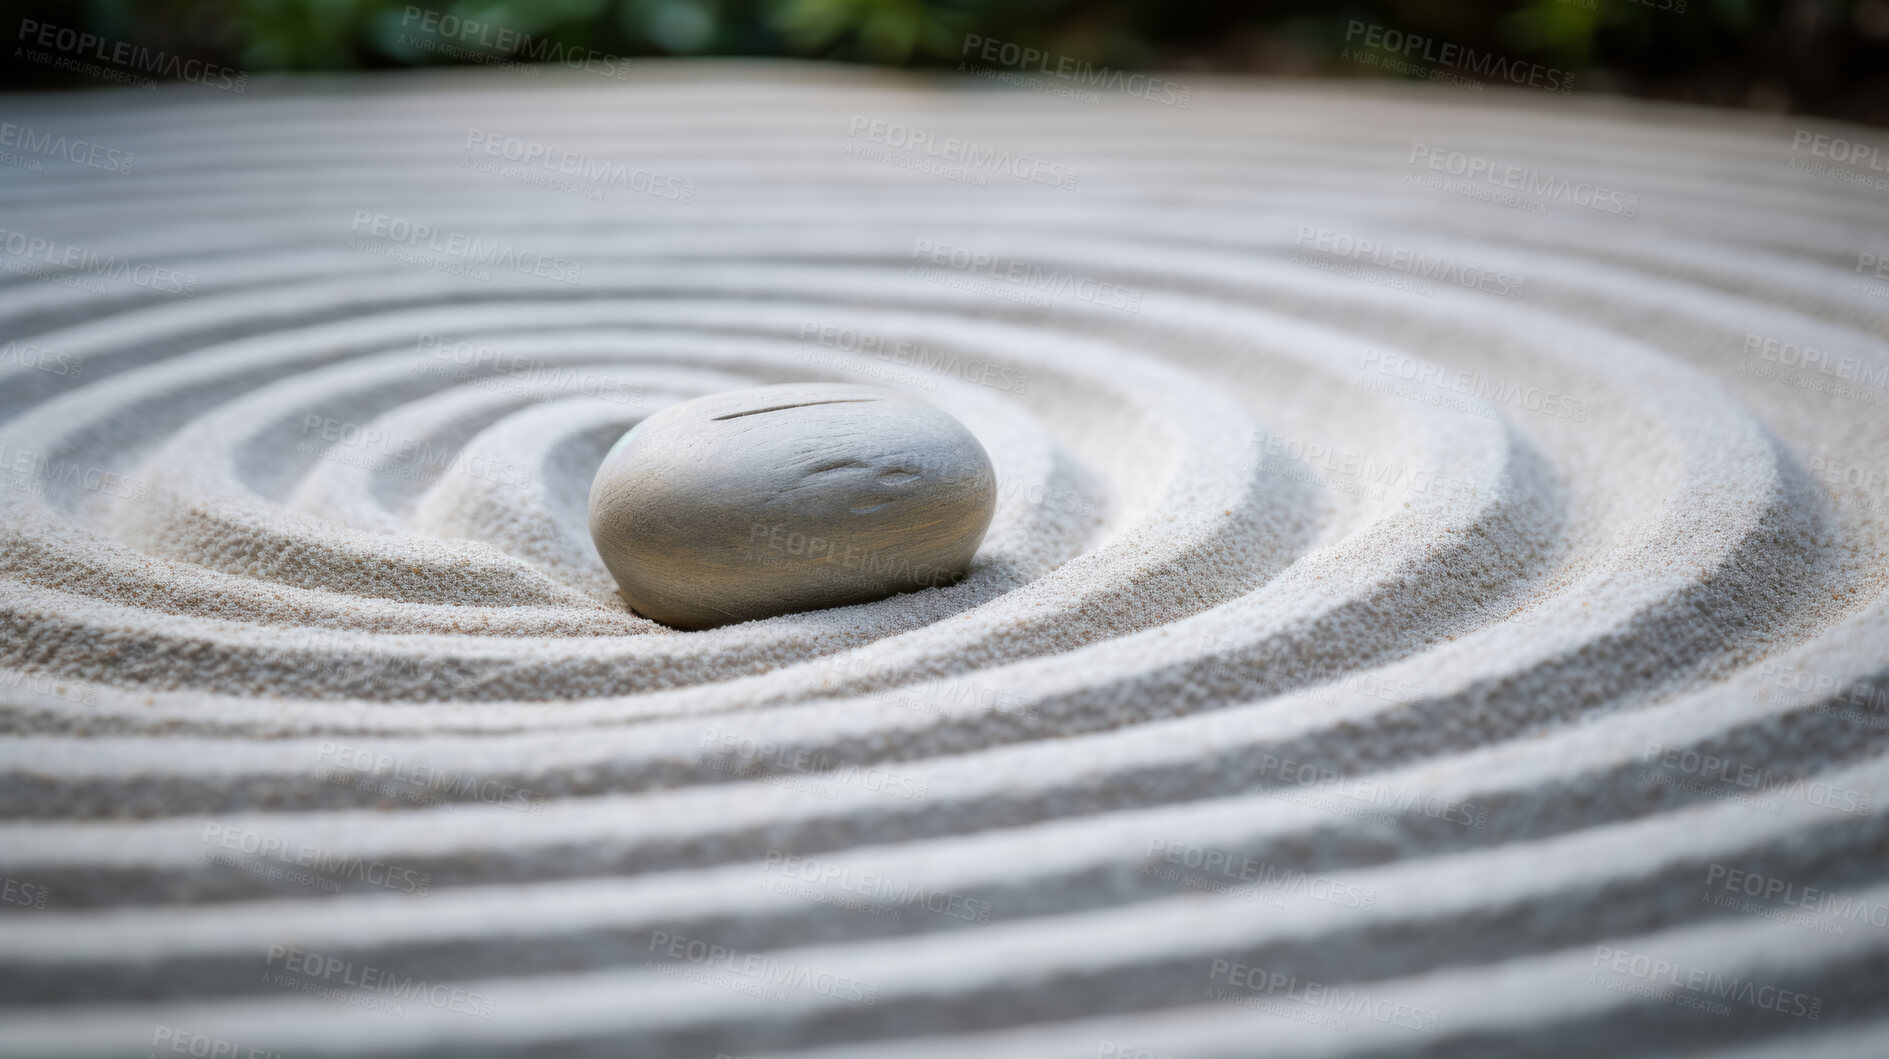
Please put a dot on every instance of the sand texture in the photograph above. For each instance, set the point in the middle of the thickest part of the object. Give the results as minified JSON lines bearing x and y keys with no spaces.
{"x":1412,"y":650}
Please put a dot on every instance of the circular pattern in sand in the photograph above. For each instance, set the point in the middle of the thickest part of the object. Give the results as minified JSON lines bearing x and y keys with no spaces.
{"x":1430,"y":608}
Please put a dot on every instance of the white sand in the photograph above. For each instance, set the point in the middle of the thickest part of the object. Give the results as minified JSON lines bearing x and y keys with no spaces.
{"x":1337,"y":580}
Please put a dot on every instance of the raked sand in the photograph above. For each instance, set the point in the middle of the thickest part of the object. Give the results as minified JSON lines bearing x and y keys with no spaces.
{"x":1412,"y":649}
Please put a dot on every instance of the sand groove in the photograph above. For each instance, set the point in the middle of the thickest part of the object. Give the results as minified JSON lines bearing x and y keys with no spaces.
{"x":1425,"y":607}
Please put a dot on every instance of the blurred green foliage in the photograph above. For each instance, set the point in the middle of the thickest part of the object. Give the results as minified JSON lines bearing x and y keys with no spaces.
{"x":1829,"y":56}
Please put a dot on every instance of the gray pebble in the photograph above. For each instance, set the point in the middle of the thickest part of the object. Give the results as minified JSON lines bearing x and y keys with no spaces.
{"x":752,"y":503}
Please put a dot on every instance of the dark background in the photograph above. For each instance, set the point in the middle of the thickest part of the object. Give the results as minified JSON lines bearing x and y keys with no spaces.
{"x":1827,"y":57}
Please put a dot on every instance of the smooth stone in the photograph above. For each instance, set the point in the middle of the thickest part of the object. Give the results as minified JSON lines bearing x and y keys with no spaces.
{"x":758,"y":502}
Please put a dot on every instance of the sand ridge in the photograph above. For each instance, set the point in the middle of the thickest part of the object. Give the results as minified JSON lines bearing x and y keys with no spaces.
{"x":1478,"y":588}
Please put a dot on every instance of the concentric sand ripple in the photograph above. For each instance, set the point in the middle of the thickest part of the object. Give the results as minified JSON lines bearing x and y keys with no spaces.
{"x":1475,"y":644}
